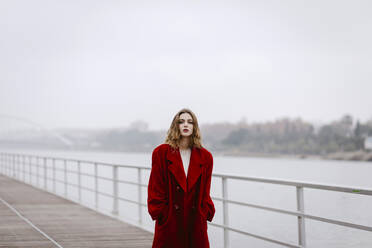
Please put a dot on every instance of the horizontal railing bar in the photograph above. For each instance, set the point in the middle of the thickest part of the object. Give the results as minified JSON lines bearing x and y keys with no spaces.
{"x":338,"y":222}
{"x":60,"y":181}
{"x":34,"y":175}
{"x":81,"y":161}
{"x":85,"y":174}
{"x":355,"y":190}
{"x":105,"y":178}
{"x":108,"y":178}
{"x":62,"y":170}
{"x":105,"y":194}
{"x":88,"y":189}
{"x":129,"y":182}
{"x":256,"y":236}
{"x":131,"y":201}
{"x":296,"y":213}
{"x":102,"y":193}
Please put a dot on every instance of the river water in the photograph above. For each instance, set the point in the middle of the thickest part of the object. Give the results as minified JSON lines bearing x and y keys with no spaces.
{"x":340,"y":206}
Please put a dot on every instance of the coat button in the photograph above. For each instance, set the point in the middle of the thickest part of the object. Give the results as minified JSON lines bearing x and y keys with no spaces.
{"x":178,"y":187}
{"x":176,"y":206}
{"x":193,"y":207}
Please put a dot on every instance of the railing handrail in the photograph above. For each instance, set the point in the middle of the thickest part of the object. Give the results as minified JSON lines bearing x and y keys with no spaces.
{"x":90,"y":162}
{"x":300,"y":213}
{"x":330,"y":187}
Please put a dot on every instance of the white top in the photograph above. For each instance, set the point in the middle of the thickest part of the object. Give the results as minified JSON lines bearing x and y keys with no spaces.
{"x":185,"y":155}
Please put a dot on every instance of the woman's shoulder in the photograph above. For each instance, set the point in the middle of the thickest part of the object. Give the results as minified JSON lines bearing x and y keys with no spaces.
{"x":161,"y":148}
{"x":207,"y":155}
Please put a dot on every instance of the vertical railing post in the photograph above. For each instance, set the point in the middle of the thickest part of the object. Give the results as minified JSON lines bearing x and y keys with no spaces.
{"x":19,"y":167}
{"x":5,"y":164}
{"x":115,"y":207}
{"x":16,"y":166}
{"x":19,"y":170}
{"x":24,"y":167}
{"x":14,"y":173}
{"x":65,"y":175}
{"x":5,"y":168}
{"x":301,"y":220}
{"x":37,"y":171}
{"x":79,"y":180}
{"x":1,"y":164}
{"x":7,"y":161}
{"x":139,"y":196}
{"x":54,"y":175}
{"x":9,"y":165}
{"x":226,"y":240}
{"x":96,"y":184}
{"x":30,"y":168}
{"x":45,"y":172}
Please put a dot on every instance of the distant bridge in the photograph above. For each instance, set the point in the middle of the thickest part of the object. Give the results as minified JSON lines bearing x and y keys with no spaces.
{"x":67,"y":142}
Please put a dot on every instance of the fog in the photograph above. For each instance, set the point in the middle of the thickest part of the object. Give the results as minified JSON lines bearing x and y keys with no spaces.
{"x":104,"y":64}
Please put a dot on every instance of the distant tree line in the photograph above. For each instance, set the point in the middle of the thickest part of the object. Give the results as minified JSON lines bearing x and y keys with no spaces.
{"x":287,"y":136}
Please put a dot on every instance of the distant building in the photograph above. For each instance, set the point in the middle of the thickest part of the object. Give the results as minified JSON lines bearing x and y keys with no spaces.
{"x":368,"y":143}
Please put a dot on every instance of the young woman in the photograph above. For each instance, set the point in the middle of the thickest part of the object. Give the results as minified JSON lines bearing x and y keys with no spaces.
{"x":179,"y":186}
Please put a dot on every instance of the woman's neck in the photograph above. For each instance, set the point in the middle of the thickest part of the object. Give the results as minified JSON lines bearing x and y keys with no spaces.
{"x":185,"y":143}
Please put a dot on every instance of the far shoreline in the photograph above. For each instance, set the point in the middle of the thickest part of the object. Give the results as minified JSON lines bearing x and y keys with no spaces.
{"x":347,"y":156}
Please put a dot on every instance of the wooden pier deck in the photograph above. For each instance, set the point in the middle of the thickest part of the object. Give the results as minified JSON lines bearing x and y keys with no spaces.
{"x":32,"y":218}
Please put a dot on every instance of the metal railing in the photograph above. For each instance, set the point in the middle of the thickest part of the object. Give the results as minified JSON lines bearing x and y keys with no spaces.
{"x":14,"y":165}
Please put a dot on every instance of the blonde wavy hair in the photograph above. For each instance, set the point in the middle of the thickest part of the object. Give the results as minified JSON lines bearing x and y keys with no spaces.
{"x":174,"y":134}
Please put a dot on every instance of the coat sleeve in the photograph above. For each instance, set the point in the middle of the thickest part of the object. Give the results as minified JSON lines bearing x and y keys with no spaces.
{"x":157,"y":199}
{"x":207,"y":200}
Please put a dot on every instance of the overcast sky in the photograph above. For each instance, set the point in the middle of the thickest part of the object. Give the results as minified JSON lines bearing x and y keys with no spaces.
{"x":100,"y":64}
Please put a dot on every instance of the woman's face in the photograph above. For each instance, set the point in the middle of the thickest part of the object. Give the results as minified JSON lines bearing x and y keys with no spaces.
{"x":185,"y":124}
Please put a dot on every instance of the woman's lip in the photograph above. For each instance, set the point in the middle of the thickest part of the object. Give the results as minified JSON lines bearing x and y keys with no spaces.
{"x":185,"y":130}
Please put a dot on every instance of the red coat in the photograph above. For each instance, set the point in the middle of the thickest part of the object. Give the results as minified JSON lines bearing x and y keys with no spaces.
{"x":181,"y":206}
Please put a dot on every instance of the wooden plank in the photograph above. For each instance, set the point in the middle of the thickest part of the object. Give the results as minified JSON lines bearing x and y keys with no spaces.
{"x":69,"y":224}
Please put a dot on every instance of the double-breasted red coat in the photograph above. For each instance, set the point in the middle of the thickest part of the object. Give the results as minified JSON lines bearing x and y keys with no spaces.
{"x":180,"y":205}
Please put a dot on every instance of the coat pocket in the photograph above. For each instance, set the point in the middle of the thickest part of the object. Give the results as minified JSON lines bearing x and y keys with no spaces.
{"x":203,"y":211}
{"x":164,"y":218}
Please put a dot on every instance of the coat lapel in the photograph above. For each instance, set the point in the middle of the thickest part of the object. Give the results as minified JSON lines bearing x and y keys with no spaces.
{"x":195,"y":168}
{"x":176,"y":167}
